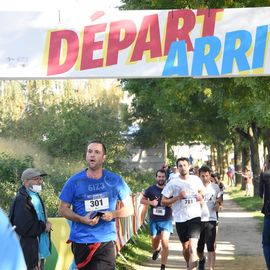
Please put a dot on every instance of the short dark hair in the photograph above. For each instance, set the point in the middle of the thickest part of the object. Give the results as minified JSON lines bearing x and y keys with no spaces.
{"x":182,"y":159}
{"x":160,"y":170}
{"x":204,"y":169}
{"x":99,"y":142}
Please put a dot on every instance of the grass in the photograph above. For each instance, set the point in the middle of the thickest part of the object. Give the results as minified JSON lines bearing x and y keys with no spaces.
{"x":251,"y":204}
{"x":137,"y":250}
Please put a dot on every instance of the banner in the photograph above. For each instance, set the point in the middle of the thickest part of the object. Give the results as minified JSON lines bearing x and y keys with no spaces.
{"x":134,"y":44}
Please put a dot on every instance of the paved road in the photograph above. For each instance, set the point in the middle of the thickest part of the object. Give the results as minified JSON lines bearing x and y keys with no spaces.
{"x":238,"y":243}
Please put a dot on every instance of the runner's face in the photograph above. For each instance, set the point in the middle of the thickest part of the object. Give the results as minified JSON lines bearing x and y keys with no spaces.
{"x":206,"y":177}
{"x":95,"y":156}
{"x":183,"y":167}
{"x":161,"y":178}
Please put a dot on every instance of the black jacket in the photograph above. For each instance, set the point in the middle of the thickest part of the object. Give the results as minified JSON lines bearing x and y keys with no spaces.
{"x":265,"y":192}
{"x":28,"y":227}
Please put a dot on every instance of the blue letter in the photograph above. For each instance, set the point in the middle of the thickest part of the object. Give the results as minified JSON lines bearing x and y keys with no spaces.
{"x":238,"y":54}
{"x":177,"y":49}
{"x":259,"y":48}
{"x":200,"y":58}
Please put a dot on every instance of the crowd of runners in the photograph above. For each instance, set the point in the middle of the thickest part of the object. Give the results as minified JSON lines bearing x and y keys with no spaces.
{"x":193,"y":202}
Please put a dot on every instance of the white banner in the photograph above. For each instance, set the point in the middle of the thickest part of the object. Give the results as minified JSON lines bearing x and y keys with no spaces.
{"x":134,"y":44}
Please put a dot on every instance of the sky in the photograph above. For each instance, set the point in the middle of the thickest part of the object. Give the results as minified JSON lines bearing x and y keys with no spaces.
{"x":30,"y":5}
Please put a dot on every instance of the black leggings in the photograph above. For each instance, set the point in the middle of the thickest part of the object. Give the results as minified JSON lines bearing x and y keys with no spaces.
{"x":208,"y":236}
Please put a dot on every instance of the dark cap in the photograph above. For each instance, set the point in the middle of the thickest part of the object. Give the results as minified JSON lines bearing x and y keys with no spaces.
{"x":31,"y":173}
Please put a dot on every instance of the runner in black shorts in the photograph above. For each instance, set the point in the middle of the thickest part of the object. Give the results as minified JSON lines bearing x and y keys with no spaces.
{"x":210,"y":207}
{"x":185,"y":194}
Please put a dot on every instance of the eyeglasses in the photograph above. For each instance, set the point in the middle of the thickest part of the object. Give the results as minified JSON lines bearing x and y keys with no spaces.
{"x":38,"y":178}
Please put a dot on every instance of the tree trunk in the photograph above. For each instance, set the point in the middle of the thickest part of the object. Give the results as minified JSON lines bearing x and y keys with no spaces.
{"x":214,"y":164}
{"x":237,"y":158}
{"x":245,"y":149}
{"x":255,"y":158}
{"x":253,"y":137}
{"x":222,"y":160}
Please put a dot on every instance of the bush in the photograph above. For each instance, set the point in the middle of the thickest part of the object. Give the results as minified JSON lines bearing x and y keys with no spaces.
{"x":10,"y":174}
{"x":12,"y":168}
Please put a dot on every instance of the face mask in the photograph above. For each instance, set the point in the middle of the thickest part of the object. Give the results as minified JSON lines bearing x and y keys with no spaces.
{"x":36,"y":188}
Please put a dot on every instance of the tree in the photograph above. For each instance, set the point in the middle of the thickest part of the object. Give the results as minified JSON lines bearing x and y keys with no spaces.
{"x":62,"y":116}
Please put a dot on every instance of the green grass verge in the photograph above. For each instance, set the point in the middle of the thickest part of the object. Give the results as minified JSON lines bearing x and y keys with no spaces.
{"x":136,"y":251}
{"x":251,"y":204}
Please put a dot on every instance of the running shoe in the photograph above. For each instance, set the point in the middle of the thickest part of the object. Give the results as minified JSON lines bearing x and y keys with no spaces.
{"x":155,"y":254}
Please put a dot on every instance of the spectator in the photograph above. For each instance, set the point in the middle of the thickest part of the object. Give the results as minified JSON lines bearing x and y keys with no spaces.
{"x":28,"y":215}
{"x":265,"y":194}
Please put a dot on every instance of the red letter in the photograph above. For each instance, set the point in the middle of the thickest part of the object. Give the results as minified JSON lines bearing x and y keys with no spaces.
{"x":209,"y":20}
{"x":90,"y":45}
{"x":172,"y":31}
{"x":54,"y":66}
{"x":115,"y":44}
{"x":149,"y":24}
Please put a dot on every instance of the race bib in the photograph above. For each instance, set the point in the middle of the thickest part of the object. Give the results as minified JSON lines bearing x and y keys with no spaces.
{"x":97,"y":202}
{"x":189,"y":201}
{"x":159,"y":211}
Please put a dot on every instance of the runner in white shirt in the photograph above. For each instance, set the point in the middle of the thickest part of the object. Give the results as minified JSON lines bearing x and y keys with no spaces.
{"x":210,"y":207}
{"x":185,"y":194}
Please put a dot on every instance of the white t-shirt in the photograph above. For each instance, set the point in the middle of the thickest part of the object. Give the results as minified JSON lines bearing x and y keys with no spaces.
{"x":208,"y":207}
{"x":173,"y":176}
{"x":189,"y":207}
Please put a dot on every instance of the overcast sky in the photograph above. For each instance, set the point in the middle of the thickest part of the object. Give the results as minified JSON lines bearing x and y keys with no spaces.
{"x":56,"y":4}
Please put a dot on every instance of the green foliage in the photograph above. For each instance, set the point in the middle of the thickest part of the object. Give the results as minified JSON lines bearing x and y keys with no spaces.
{"x":10,"y":174}
{"x":60,"y":117}
{"x":176,"y":111}
{"x":7,"y":193}
{"x":139,"y":181}
{"x":12,"y":168}
{"x":50,"y":198}
{"x":194,"y":4}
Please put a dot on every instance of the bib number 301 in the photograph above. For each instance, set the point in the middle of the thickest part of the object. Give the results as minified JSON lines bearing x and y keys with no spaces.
{"x":96,"y":204}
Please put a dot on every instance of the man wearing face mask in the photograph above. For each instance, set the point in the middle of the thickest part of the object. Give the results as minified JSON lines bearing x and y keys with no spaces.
{"x":28,"y":216}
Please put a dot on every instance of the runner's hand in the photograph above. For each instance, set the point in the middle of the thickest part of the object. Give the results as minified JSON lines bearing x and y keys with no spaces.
{"x":48,"y":226}
{"x":154,"y":202}
{"x":87,"y":219}
{"x":182,"y":195}
{"x":107,"y":216}
{"x":199,"y":197}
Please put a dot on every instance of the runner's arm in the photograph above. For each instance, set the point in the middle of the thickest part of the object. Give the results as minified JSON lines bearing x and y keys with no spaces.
{"x":65,"y":210}
{"x":169,"y":201}
{"x":146,"y":201}
{"x":126,"y":210}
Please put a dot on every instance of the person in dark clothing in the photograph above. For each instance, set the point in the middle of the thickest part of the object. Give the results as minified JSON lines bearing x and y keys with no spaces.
{"x":28,"y":216}
{"x":265,"y":194}
{"x":160,"y":218}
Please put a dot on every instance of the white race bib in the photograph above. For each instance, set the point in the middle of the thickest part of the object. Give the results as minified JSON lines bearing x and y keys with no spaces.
{"x":190,"y":201}
{"x":97,"y":202}
{"x":159,"y":211}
